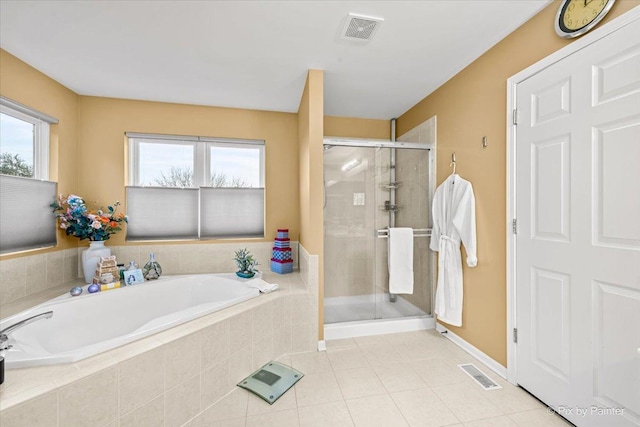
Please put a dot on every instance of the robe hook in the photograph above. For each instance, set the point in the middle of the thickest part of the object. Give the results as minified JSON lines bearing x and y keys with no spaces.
{"x":453,"y":162}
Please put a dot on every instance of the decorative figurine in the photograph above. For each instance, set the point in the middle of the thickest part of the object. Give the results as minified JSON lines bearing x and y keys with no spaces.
{"x":152,"y":269}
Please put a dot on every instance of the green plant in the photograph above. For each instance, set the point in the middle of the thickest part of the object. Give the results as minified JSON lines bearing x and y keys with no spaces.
{"x":245,"y":261}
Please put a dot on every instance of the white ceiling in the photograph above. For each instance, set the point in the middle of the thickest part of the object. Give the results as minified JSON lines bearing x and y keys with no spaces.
{"x":255,"y":54}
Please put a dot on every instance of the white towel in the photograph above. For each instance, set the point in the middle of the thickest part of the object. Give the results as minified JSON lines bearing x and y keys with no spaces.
{"x":261,"y":285}
{"x":401,"y":260}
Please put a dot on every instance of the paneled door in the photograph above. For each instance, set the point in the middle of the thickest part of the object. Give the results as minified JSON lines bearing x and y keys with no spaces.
{"x":578,"y":240}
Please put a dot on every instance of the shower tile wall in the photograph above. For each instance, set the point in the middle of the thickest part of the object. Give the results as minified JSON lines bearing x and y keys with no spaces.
{"x":357,"y":261}
{"x":349,"y":224}
{"x":413,"y":172}
{"x":410,"y":162}
{"x":383,"y":159}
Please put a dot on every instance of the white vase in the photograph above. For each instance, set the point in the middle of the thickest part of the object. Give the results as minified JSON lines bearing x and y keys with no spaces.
{"x":91,"y":258}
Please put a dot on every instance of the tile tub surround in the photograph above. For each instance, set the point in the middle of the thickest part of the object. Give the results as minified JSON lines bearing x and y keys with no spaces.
{"x":21,"y":277}
{"x":169,"y":377}
{"x":309,"y":274}
{"x":28,"y":275}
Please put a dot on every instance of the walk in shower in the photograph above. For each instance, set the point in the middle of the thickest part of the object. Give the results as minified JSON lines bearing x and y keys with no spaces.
{"x":370,"y":186}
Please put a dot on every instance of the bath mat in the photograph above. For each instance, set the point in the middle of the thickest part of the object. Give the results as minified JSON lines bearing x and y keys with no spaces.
{"x":271,"y":381}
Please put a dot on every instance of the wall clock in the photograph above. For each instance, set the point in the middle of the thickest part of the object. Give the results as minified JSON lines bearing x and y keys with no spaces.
{"x":576,"y":17}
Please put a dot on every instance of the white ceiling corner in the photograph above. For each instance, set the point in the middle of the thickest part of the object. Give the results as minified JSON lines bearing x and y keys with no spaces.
{"x":255,"y":54}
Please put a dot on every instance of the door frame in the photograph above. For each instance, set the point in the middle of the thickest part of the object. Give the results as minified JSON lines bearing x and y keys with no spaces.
{"x":512,"y":82}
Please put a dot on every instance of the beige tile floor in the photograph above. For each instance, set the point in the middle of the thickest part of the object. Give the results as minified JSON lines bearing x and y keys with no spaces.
{"x":408,"y":379}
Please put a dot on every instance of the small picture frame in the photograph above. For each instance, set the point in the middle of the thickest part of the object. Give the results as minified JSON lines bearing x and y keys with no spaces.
{"x":133,"y":277}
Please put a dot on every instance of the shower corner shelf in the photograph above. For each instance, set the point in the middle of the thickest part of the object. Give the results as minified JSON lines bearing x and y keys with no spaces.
{"x":388,"y":207}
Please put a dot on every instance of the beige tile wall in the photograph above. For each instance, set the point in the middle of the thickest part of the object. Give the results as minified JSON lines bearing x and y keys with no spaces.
{"x":359,"y":260}
{"x":304,"y":311}
{"x":198,"y":258}
{"x":179,"y":373}
{"x":419,"y":216}
{"x":348,"y":243}
{"x":21,"y":277}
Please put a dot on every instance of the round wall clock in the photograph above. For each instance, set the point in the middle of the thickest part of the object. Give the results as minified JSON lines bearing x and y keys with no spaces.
{"x":576,"y":17}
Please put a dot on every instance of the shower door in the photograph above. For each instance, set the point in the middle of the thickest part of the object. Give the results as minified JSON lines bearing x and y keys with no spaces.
{"x":359,"y":206}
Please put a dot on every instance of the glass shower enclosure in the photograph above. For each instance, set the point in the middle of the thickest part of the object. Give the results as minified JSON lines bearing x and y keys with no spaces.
{"x":368,"y":187}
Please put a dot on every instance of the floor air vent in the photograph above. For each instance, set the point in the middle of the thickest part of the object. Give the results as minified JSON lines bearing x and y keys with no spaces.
{"x":479,"y":376}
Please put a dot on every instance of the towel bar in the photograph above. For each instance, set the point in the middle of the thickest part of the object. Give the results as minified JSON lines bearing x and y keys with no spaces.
{"x":383,"y":233}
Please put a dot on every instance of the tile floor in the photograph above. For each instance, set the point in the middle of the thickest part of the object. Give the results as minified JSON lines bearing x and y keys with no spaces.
{"x":408,"y":379}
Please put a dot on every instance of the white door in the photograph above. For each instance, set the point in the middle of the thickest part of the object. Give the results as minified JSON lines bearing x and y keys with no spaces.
{"x":578,"y":241}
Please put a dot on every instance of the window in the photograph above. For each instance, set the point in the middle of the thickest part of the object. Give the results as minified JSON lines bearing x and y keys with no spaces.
{"x":189,"y":162}
{"x":206,"y":187}
{"x":26,"y":221}
{"x":24,"y":141}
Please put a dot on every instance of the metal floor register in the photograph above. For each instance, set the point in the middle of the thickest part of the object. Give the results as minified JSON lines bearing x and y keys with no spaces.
{"x":271,"y":381}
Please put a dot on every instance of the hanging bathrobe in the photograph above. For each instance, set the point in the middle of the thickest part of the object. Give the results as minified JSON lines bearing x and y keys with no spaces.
{"x":454,"y":220}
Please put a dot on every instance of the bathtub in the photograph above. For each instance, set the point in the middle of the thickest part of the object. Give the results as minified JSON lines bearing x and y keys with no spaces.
{"x":89,"y":324}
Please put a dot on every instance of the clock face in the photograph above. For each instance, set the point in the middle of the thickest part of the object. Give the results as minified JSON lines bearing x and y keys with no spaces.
{"x":576,"y":17}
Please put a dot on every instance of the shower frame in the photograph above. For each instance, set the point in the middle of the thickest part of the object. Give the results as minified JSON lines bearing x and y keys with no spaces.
{"x":388,"y":325}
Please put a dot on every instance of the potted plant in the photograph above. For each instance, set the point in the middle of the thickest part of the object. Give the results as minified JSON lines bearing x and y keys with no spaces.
{"x":246,"y":263}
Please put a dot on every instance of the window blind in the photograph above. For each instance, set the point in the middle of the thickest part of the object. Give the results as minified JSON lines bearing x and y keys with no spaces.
{"x":231,"y":212}
{"x":162,"y":213}
{"x":26,"y":217}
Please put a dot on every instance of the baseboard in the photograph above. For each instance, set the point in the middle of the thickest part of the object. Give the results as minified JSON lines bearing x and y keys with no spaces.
{"x":322,"y":345}
{"x":474,"y":351}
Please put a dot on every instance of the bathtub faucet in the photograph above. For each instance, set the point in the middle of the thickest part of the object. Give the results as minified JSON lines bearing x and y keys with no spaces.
{"x":4,"y":338}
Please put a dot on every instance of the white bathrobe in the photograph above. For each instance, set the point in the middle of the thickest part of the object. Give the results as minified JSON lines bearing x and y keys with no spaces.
{"x":454,"y":220}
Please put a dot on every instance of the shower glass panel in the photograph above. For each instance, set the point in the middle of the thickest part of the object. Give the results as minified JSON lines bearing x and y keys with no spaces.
{"x":358,"y":190}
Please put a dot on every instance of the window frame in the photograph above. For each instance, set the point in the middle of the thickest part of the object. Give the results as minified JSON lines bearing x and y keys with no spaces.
{"x":201,"y":183}
{"x":225,"y":143}
{"x":201,"y":154}
{"x":41,"y":134}
{"x":134,"y":158}
{"x":40,"y":181}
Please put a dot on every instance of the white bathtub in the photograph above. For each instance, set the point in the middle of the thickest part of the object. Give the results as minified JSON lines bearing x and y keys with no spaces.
{"x":85,"y":325}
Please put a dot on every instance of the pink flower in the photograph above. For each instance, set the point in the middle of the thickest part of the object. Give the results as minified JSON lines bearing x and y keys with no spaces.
{"x":96,"y":224}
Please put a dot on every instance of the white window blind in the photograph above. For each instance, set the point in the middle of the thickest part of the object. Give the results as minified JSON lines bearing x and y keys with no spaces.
{"x":224,"y":177}
{"x":26,"y":217}
{"x":231,"y":212}
{"x":162,"y":213}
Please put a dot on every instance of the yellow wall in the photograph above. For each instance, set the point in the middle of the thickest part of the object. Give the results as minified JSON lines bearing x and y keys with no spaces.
{"x":349,"y":127}
{"x":310,"y":136}
{"x":26,"y":85}
{"x":469,"y":106}
{"x":103,"y":122}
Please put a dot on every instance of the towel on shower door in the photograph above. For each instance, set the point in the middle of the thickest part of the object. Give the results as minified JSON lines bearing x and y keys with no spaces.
{"x":401,"y":260}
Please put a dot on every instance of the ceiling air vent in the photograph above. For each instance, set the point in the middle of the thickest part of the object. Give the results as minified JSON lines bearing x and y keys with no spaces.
{"x":360,"y":27}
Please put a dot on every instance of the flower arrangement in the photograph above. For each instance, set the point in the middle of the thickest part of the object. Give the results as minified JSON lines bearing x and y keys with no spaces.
{"x":76,"y":220}
{"x":245,"y":262}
